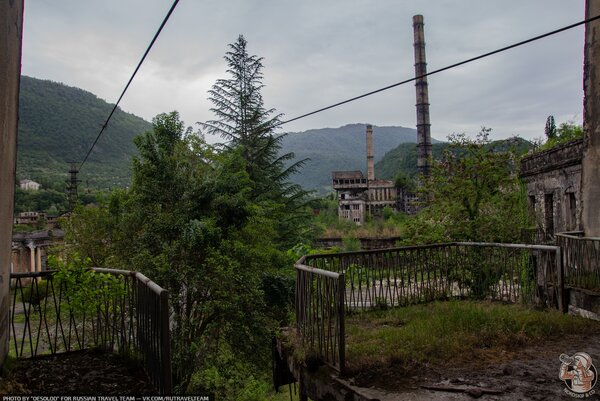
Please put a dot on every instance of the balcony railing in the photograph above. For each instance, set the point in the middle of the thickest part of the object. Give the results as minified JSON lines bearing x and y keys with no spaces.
{"x":329,"y":285}
{"x":132,"y":318}
{"x":320,"y":312}
{"x":581,"y":260}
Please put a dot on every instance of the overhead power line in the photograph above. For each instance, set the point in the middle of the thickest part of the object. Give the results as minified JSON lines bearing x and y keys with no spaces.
{"x":129,"y":82}
{"x":503,"y":49}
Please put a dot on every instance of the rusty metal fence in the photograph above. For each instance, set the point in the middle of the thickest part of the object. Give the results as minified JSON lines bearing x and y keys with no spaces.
{"x":132,"y":318}
{"x":581,"y":260}
{"x":328,"y":285}
{"x":320,"y":312}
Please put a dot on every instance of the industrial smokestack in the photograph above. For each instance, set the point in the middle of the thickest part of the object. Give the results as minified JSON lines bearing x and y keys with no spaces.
{"x":370,"y":160}
{"x":423,"y":125}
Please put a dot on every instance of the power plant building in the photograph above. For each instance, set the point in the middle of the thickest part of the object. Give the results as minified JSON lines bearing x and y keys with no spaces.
{"x":359,"y":196}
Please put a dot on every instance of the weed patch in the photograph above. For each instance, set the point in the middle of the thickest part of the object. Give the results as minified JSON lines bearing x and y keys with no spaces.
{"x":440,"y":332}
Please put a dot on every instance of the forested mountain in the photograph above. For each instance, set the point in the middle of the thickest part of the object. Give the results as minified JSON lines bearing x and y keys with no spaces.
{"x":57,"y":125}
{"x":343,"y":148}
{"x":404,"y":157}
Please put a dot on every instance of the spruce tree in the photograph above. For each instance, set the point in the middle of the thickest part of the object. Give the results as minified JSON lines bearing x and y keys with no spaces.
{"x":248,"y":127}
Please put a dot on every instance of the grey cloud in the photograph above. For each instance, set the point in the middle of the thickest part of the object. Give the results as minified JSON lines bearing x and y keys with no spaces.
{"x":318,"y":53}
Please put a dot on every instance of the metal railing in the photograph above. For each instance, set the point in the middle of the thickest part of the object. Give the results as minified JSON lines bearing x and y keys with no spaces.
{"x":132,"y":318}
{"x":329,"y":285}
{"x":581,"y":260}
{"x":320,"y":312}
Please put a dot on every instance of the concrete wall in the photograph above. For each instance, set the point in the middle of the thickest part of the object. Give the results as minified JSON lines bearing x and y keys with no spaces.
{"x":555,"y":175}
{"x":590,"y":180}
{"x":11,"y":33}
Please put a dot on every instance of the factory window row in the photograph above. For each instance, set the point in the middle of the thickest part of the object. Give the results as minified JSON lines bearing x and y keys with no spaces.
{"x":350,"y":182}
{"x":382,"y":194}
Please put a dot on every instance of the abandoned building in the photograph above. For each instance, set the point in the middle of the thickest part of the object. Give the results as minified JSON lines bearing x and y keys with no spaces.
{"x":29,"y":251}
{"x":29,"y":185}
{"x":359,"y":196}
{"x":552,"y":179}
{"x":33,"y":218}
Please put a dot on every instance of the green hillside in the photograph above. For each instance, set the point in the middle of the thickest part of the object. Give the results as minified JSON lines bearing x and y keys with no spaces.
{"x":404,"y":156}
{"x":57,"y":125}
{"x":343,"y":148}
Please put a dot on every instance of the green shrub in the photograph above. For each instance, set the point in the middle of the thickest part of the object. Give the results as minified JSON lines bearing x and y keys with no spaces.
{"x":85,"y":290}
{"x":350,"y":243}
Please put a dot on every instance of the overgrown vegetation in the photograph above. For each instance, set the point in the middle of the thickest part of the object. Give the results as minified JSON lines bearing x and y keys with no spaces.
{"x":85,"y":289}
{"x":403,"y":158}
{"x":566,"y":132}
{"x":442,"y":331}
{"x":220,"y":226}
{"x":51,"y":198}
{"x":210,"y":224}
{"x":473,"y":194}
{"x":326,"y":224}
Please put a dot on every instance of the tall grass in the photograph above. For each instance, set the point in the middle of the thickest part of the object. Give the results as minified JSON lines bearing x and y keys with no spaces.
{"x":442,"y":331}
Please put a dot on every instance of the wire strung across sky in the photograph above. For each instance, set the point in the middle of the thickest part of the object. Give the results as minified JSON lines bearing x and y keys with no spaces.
{"x":503,"y":49}
{"x":129,"y":82}
{"x":443,"y":69}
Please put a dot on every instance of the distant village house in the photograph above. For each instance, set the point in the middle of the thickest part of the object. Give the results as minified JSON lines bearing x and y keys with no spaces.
{"x":33,"y":218}
{"x":29,"y":185}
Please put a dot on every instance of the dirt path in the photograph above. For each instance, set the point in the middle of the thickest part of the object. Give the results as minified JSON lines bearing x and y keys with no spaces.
{"x":531,"y":373}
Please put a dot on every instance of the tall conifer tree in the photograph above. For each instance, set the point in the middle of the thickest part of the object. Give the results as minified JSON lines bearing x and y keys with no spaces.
{"x":248,"y":127}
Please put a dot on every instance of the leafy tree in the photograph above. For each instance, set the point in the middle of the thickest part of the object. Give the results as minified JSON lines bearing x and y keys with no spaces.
{"x":38,"y":201}
{"x":92,"y":233}
{"x":569,"y":131}
{"x":249,"y":128}
{"x":475,"y":195}
{"x":189,"y":223}
{"x":566,"y":132}
{"x":402,"y":180}
{"x":210,"y":225}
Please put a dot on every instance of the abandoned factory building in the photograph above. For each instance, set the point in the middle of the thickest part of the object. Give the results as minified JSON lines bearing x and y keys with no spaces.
{"x":552,"y":179}
{"x":359,"y":196}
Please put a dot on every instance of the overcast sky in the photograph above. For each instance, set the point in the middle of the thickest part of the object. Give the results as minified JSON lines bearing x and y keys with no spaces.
{"x":318,"y":52}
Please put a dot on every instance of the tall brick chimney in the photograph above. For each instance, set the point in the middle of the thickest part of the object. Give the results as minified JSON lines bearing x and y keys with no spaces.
{"x":423,"y":125}
{"x":370,"y":160}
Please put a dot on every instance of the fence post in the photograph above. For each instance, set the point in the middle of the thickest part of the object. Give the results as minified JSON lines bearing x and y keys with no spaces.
{"x":342,"y":314}
{"x":167,"y":385}
{"x":561,"y":281}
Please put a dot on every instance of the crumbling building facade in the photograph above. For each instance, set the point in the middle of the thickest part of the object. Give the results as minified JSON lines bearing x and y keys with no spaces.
{"x":553,"y":183}
{"x":359,"y":196}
